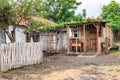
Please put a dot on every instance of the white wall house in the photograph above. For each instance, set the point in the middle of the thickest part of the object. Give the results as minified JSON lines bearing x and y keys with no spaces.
{"x":19,"y":31}
{"x":19,"y":34}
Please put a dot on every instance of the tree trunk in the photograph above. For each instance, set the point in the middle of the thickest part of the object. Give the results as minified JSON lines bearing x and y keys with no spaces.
{"x":35,"y":37}
{"x":11,"y":36}
{"x":28,"y":37}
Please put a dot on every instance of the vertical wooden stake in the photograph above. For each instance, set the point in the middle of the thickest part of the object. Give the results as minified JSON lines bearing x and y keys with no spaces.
{"x":68,"y":40}
{"x":84,"y":38}
{"x":97,"y":38}
{"x":76,"y":45}
{"x":97,"y":35}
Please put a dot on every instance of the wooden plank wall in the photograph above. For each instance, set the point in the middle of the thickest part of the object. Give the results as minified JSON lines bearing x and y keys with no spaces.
{"x":55,"y":41}
{"x":109,"y":34}
{"x":47,"y":41}
{"x":15,"y":55}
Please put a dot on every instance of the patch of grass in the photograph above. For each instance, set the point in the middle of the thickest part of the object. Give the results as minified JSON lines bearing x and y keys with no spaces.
{"x":118,"y":43}
{"x":14,"y":70}
{"x":115,"y":52}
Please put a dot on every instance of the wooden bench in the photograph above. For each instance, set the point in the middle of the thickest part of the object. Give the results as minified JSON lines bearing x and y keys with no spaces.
{"x":73,"y":44}
{"x":76,"y":45}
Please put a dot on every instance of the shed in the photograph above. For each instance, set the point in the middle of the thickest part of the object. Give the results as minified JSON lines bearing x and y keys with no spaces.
{"x":88,"y":36}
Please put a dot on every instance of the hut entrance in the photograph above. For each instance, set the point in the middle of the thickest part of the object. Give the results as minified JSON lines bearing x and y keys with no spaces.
{"x":90,"y":38}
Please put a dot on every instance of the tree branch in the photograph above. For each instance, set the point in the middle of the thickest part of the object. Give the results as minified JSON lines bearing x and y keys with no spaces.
{"x":17,"y":23}
{"x":9,"y":35}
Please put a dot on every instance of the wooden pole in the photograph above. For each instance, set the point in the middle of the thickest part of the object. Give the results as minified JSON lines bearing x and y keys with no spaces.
{"x":84,"y":38}
{"x":97,"y":38}
{"x":68,"y":40}
{"x":97,"y":34}
{"x":79,"y":36}
{"x":77,"y":39}
{"x":76,"y":45}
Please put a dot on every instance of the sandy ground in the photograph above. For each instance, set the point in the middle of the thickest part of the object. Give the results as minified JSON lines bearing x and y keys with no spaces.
{"x":60,"y":67}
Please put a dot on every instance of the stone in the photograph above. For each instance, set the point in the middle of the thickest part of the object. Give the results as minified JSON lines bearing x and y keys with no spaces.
{"x":87,"y":78}
{"x":47,"y":66}
{"x":91,"y":63}
{"x":6,"y":76}
{"x":69,"y":78}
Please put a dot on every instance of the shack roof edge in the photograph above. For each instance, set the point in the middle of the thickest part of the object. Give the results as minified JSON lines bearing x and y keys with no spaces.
{"x":86,"y":23}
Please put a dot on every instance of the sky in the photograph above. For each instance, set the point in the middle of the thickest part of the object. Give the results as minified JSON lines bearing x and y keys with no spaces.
{"x":93,"y":7}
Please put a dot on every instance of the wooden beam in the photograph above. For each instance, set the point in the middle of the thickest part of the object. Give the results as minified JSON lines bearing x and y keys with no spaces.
{"x":77,"y":39}
{"x":97,"y":26}
{"x":97,"y":34}
{"x":97,"y":39}
{"x":68,"y":39}
{"x":79,"y":35}
{"x":84,"y":38}
{"x":76,"y":46}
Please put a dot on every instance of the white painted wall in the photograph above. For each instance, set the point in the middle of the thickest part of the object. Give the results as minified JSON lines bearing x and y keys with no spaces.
{"x":70,"y":33}
{"x":20,"y":36}
{"x":61,"y":45}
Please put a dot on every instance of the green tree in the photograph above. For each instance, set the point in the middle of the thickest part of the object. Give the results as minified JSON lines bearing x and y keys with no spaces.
{"x":13,"y":12}
{"x":6,"y":14}
{"x":111,"y":13}
{"x":84,"y":14}
{"x":62,"y":10}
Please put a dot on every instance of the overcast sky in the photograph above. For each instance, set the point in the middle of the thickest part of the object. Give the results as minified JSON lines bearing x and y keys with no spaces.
{"x":93,"y":7}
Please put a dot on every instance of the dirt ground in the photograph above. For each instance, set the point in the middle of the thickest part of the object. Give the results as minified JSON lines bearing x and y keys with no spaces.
{"x":62,"y":67}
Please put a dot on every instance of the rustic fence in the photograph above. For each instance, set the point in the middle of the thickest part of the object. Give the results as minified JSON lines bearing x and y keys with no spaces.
{"x":15,"y":55}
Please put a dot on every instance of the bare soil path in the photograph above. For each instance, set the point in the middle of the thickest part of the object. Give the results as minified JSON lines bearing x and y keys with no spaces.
{"x":62,"y":67}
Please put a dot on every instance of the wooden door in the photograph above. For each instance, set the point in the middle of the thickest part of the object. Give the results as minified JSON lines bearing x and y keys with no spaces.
{"x":87,"y":39}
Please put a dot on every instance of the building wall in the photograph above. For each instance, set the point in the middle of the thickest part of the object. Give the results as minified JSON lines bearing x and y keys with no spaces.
{"x":20,"y":36}
{"x":100,"y":40}
{"x":47,"y":40}
{"x":53,"y":41}
{"x":61,"y":45}
{"x":107,"y":33}
{"x":110,"y":36}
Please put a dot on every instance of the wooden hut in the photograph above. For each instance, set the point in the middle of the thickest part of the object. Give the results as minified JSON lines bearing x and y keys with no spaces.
{"x":84,"y":37}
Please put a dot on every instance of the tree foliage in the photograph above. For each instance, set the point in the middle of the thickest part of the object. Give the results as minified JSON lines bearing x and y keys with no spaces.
{"x":5,"y":13}
{"x":62,"y":10}
{"x":37,"y":26}
{"x":12,"y":12}
{"x":111,"y":13}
